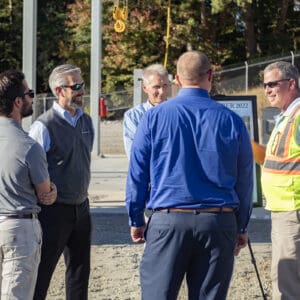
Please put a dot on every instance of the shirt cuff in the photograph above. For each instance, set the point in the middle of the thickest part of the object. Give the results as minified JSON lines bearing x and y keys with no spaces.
{"x":137,"y":221}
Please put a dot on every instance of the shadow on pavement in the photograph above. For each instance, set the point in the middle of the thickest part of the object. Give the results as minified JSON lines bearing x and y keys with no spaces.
{"x":260,"y":231}
{"x":110,"y":229}
{"x":113,"y":229}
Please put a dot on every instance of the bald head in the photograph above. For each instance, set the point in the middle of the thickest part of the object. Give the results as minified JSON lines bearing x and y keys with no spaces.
{"x":193,"y":68}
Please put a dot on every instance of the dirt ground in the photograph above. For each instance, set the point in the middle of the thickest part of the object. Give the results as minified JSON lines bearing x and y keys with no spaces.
{"x":115,"y":263}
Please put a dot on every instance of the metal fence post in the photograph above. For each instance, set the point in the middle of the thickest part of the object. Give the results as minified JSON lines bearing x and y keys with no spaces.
{"x":29,"y":48}
{"x":246,"y":77}
{"x":96,"y":70}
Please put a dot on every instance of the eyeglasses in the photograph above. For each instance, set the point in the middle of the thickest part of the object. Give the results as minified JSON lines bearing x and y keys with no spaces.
{"x":157,"y":87}
{"x":30,"y":93}
{"x":272,"y":84}
{"x":74,"y":87}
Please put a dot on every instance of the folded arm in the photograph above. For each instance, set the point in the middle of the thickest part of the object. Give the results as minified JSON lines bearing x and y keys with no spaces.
{"x":46,"y":192}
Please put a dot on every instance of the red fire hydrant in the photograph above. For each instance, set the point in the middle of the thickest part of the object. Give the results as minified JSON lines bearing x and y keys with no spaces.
{"x":102,"y":107}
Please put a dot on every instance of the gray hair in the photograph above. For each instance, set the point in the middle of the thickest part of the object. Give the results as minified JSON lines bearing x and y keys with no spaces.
{"x":57,"y":77}
{"x":286,"y":69}
{"x":155,"y":69}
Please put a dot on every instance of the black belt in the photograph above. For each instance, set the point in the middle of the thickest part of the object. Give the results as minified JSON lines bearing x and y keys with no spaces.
{"x":19,"y":216}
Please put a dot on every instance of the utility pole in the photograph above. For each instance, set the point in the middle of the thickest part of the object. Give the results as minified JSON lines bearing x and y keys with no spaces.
{"x":96,"y":62}
{"x":29,"y":48}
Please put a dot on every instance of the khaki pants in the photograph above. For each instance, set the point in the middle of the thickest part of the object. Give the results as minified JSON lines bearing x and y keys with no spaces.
{"x":285,"y":269}
{"x":20,"y":250}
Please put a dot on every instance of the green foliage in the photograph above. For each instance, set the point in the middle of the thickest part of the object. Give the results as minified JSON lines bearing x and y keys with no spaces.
{"x":11,"y":34}
{"x":51,"y":27}
{"x":75,"y":48}
{"x":227,"y":31}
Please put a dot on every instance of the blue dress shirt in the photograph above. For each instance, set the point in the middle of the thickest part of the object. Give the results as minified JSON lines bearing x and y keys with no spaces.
{"x":196,"y":154}
{"x":132,"y":118}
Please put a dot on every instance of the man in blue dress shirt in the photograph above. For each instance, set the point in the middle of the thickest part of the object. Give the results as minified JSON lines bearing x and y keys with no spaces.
{"x":197,"y":156}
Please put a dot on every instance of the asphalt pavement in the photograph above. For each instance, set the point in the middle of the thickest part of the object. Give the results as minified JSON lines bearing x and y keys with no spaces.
{"x":107,"y":187}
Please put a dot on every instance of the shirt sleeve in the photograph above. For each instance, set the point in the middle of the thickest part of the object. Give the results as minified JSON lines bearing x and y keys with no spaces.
{"x":138,"y":179}
{"x":129,"y":130}
{"x":40,"y":133}
{"x":244,"y":184}
{"x":37,"y":164}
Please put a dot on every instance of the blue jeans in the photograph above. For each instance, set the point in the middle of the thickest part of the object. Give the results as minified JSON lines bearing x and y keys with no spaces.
{"x":198,"y":246}
{"x":20,"y":251}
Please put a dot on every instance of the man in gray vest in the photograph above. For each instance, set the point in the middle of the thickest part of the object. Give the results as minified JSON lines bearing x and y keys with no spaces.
{"x":66,"y":133}
{"x":24,"y":180}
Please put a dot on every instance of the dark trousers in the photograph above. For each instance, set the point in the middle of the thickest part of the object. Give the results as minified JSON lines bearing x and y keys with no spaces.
{"x":198,"y":246}
{"x":67,"y":230}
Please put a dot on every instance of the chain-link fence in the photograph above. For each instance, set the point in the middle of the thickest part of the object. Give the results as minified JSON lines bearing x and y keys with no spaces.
{"x":243,"y":77}
{"x":234,"y":79}
{"x":117,"y":103}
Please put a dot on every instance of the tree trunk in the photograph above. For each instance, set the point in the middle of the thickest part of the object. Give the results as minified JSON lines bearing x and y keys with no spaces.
{"x":250,"y":40}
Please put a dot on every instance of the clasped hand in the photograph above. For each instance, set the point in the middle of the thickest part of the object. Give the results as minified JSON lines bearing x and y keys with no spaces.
{"x":50,"y":197}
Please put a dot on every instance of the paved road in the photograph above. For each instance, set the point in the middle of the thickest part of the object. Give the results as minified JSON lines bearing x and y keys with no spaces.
{"x":113,"y":229}
{"x":107,"y":187}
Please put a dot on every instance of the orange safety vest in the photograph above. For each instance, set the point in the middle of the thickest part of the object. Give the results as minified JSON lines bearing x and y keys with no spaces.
{"x":281,"y":170}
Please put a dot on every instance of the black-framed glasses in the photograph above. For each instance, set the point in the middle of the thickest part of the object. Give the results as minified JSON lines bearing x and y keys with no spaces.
{"x":30,"y":93}
{"x":272,"y":84}
{"x":74,"y":87}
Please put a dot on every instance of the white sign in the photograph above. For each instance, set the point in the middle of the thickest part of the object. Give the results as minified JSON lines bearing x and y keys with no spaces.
{"x":245,"y":107}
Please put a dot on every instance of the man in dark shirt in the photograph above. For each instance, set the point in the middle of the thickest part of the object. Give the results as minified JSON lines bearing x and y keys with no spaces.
{"x":197,"y":156}
{"x":66,"y":133}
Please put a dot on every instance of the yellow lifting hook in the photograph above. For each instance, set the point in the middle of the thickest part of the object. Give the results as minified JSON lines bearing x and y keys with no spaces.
{"x":120,"y":15}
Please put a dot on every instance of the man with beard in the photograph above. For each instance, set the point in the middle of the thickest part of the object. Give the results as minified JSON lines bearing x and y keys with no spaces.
{"x":24,"y":180}
{"x":66,"y":133}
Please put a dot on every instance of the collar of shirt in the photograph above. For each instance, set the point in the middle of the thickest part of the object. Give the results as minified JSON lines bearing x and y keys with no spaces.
{"x":13,"y":122}
{"x":291,"y":107}
{"x":193,"y":92}
{"x":147,"y":105}
{"x":280,"y":117}
{"x":66,"y":115}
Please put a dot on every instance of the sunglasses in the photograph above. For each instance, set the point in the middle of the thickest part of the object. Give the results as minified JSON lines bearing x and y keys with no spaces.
{"x":30,"y":93}
{"x":272,"y":84}
{"x":74,"y":87}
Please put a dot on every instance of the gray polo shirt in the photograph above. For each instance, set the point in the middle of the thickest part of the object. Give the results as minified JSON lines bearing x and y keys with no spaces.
{"x":22,"y":164}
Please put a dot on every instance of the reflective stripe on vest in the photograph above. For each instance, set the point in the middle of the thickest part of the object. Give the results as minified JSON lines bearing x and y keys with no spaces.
{"x":278,"y":159}
{"x":281,"y":171}
{"x":284,"y":141}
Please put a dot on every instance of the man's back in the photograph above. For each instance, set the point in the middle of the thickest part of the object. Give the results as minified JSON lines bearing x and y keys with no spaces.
{"x":195,"y":155}
{"x":194,"y":142}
